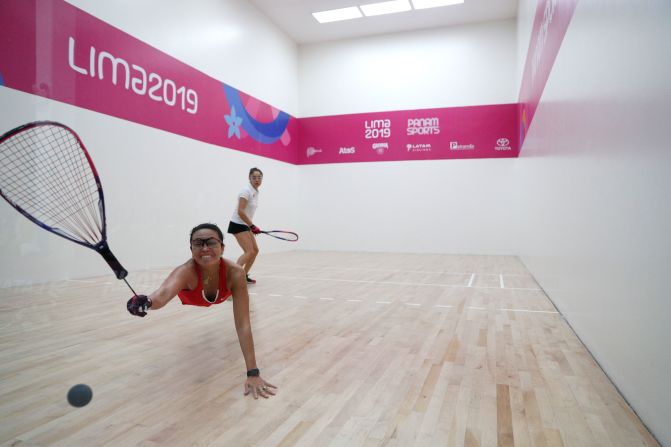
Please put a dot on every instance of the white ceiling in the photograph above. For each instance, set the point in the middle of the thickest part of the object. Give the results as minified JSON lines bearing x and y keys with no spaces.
{"x":294,"y":17}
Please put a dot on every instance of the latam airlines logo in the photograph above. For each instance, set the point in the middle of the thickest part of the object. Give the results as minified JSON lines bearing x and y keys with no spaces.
{"x":418,"y":147}
{"x":503,"y":144}
{"x":423,"y":126}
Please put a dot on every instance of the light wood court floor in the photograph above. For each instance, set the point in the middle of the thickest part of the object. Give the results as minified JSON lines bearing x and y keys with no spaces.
{"x":367,"y":350}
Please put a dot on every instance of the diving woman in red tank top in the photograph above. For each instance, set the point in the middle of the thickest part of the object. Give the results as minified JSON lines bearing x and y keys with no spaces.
{"x":208,"y":279}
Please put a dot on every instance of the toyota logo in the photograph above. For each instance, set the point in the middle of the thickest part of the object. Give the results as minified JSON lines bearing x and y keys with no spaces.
{"x":503,"y":142}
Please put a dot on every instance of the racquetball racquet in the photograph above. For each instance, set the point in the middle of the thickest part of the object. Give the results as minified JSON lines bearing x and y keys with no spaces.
{"x":47,"y":175}
{"x":281,"y":234}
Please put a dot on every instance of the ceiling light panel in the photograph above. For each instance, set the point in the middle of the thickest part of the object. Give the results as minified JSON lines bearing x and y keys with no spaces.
{"x":424,"y":4}
{"x":335,"y":15}
{"x":376,"y":9}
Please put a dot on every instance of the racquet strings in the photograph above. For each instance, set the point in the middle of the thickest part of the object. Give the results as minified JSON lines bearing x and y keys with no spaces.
{"x":45,"y":172}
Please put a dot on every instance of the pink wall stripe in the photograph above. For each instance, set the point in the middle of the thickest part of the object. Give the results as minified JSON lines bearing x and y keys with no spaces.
{"x":550,"y":24}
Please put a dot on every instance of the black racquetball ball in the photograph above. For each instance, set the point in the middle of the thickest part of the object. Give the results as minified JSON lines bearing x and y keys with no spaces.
{"x":80,"y":395}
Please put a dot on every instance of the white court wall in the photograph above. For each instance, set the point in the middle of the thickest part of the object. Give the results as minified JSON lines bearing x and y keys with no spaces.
{"x":159,"y":185}
{"x":454,"y":206}
{"x":443,"y":67}
{"x":439,"y":206}
{"x":592,"y":186}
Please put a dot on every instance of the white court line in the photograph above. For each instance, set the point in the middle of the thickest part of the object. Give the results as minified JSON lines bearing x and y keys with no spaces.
{"x":253,"y":293}
{"x":501,"y":281}
{"x":470,"y":283}
{"x":391,"y":282}
{"x":532,"y":311}
{"x":275,"y":294}
{"x":443,"y":306}
{"x":442,"y":272}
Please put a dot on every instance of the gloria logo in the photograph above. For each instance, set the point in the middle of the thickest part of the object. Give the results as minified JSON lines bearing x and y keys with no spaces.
{"x":455,"y":146}
{"x":347,"y":150}
{"x":423,"y":126}
{"x":503,"y":144}
{"x":418,"y":147}
{"x":380,"y":147}
{"x":312,"y":151}
{"x":377,"y":129}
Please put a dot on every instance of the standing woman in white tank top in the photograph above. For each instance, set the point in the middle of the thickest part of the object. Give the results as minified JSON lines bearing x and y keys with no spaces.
{"x":242,"y":225}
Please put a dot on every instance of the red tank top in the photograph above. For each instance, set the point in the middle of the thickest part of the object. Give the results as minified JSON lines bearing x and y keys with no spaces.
{"x":196,"y":297}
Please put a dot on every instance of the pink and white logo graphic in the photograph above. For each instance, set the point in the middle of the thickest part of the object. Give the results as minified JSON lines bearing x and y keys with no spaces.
{"x":503,"y":144}
{"x":423,"y":126}
{"x":379,"y":148}
{"x":312,"y":151}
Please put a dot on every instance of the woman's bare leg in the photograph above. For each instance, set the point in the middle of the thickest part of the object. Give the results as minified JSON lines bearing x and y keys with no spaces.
{"x":249,"y":247}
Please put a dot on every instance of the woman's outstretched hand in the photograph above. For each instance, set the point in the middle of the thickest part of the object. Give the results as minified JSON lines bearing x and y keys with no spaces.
{"x":259,"y":387}
{"x":138,"y":305}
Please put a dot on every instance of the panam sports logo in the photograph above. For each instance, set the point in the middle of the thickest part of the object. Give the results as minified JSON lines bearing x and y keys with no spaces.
{"x":423,"y":126}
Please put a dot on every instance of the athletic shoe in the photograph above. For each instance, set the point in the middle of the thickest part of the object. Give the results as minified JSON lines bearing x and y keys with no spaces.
{"x":250,"y":280}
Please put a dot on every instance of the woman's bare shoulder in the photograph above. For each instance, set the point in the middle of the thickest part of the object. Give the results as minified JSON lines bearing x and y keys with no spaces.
{"x":233,"y":270}
{"x":185,"y":275}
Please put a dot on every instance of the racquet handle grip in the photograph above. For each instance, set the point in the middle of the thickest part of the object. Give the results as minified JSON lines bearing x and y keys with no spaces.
{"x":113,"y":262}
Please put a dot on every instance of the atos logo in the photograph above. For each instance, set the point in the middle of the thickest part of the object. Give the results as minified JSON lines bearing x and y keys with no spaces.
{"x":347,"y":150}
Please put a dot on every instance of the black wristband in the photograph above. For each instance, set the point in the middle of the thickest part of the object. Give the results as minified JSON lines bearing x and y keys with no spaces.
{"x":253,"y":372}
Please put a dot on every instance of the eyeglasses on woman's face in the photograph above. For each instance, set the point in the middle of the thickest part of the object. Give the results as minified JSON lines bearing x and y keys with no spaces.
{"x":210,"y":242}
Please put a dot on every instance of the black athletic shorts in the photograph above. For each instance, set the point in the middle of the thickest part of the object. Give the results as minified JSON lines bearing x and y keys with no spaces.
{"x":235,"y":228}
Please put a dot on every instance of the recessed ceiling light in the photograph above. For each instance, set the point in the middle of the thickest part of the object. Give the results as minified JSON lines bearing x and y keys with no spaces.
{"x":334,"y":15}
{"x":424,"y":4}
{"x":376,"y":9}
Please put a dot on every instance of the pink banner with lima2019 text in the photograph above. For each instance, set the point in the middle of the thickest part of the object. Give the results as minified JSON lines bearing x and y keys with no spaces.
{"x":52,"y":49}
{"x":427,"y":134}
{"x":550,"y":24}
